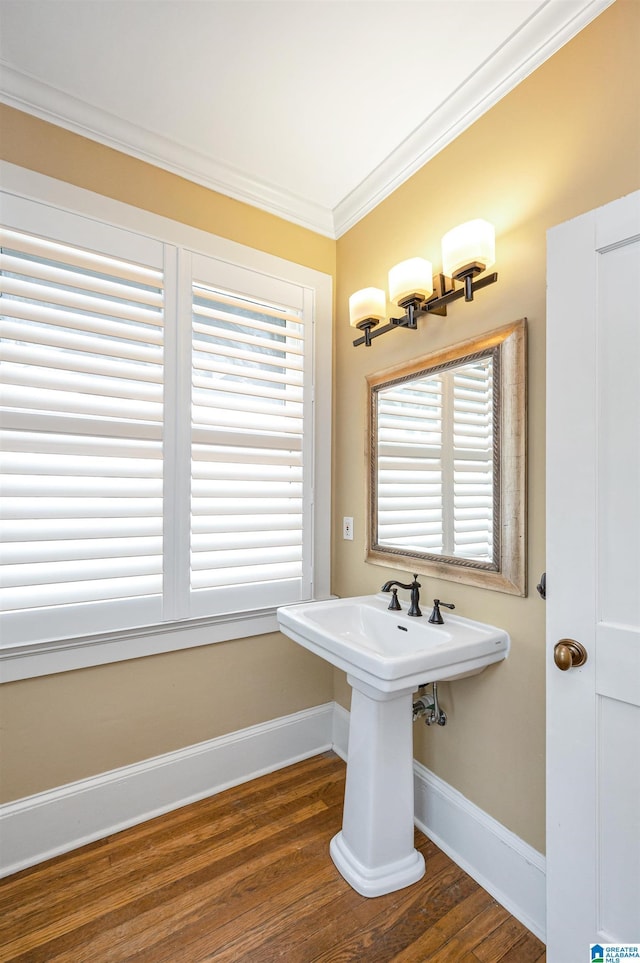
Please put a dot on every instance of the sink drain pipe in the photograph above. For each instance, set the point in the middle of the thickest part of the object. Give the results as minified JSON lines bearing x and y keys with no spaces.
{"x":428,"y":708}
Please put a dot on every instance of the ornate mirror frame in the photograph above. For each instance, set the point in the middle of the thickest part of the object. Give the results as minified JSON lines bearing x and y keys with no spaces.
{"x":507,"y":571}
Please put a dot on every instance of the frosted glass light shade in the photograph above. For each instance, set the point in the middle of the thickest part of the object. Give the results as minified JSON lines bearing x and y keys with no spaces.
{"x":369,"y":304}
{"x":411,"y":278}
{"x":468,"y":247}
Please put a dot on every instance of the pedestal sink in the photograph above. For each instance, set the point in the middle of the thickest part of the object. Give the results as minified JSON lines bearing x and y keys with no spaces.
{"x":386,"y":656}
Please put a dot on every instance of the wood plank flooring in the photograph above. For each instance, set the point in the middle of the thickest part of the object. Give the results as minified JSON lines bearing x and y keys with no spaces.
{"x":246,"y":876}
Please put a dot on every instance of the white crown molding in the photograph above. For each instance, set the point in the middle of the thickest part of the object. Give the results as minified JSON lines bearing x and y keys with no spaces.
{"x":552,"y":26}
{"x":19,"y":90}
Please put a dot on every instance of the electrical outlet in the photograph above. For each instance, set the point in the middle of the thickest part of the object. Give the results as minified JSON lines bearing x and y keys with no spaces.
{"x":347,"y":528}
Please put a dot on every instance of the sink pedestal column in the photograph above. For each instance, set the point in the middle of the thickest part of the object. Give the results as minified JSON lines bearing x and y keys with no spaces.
{"x":374,"y":850}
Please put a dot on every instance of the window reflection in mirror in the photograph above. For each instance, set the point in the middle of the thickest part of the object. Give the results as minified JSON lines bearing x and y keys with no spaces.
{"x":435,"y":467}
{"x":447,"y":463}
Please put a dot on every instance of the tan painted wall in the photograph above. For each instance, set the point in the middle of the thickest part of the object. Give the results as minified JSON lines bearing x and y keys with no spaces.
{"x":39,"y":146}
{"x":563,"y":142}
{"x":60,"y":728}
{"x":566,"y":140}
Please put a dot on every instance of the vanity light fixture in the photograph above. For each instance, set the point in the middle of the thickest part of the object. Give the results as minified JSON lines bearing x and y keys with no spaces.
{"x":467,"y":250}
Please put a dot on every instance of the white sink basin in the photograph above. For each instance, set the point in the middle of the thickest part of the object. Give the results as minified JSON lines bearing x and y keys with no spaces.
{"x":390,"y":650}
{"x":386,"y":656}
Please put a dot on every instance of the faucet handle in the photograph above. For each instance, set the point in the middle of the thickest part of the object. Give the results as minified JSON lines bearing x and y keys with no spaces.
{"x":436,"y":616}
{"x":394,"y":604}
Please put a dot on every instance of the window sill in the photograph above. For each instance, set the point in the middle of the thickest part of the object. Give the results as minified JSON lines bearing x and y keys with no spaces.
{"x":28,"y":660}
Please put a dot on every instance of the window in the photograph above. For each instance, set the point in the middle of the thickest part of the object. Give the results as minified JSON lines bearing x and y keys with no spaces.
{"x":249,"y":463}
{"x":435,"y":463}
{"x":156,"y":429}
{"x":81,"y":438}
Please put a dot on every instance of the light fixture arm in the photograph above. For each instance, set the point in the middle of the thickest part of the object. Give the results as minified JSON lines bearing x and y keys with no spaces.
{"x":437,"y":304}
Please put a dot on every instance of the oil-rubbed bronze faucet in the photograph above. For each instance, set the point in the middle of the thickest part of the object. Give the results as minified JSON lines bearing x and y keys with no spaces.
{"x":436,"y":614}
{"x":413,"y":587}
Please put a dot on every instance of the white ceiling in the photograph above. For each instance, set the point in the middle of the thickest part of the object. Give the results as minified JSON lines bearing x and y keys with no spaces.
{"x":312,"y":109}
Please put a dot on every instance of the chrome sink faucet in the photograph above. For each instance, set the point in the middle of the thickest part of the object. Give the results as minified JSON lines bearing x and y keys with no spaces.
{"x":413,"y":587}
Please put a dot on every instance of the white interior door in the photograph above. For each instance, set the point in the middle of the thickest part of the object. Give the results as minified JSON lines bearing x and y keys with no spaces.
{"x":593,"y":580}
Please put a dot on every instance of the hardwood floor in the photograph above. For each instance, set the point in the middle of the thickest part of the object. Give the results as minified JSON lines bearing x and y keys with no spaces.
{"x":246,"y":876}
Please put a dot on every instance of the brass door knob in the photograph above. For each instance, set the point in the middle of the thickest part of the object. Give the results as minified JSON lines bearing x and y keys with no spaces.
{"x":569,"y":654}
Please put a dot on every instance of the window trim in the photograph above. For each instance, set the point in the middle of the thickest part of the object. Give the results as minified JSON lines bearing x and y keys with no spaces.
{"x":26,"y":660}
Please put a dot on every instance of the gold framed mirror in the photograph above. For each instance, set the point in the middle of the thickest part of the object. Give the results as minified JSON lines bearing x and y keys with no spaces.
{"x":447,"y":473}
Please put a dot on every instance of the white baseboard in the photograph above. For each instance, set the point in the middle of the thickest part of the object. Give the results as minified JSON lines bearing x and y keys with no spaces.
{"x":44,"y":825}
{"x":502,"y":863}
{"x":341,"y":718}
{"x":49,"y":823}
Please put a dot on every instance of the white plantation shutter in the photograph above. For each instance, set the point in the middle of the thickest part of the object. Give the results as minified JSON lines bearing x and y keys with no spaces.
{"x":81,"y":396}
{"x":410,"y":509}
{"x":435,"y":463}
{"x":247,"y":506}
{"x":157,"y":445}
{"x":473,"y":461}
